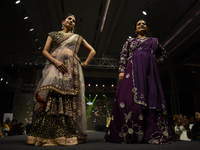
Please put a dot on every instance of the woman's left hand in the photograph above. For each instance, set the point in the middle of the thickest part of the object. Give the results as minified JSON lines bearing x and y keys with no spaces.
{"x":83,"y":64}
{"x":60,"y":66}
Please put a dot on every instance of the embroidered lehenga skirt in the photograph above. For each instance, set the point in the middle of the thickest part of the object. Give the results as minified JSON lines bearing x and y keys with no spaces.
{"x":60,"y":102}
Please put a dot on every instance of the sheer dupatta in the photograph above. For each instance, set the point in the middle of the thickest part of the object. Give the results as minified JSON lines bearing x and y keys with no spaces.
{"x":65,"y":49}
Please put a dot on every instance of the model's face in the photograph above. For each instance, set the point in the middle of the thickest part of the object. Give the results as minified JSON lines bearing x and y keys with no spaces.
{"x":69,"y":22}
{"x":197,"y":116}
{"x":141,"y":27}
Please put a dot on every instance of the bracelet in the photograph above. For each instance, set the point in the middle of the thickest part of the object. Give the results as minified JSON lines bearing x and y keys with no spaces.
{"x":84,"y":65}
{"x":52,"y":60}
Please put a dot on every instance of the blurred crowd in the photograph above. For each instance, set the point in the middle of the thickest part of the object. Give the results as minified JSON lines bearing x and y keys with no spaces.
{"x":9,"y":128}
{"x":187,"y":127}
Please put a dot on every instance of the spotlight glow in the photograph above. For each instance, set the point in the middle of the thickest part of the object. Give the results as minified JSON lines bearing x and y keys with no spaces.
{"x":144,"y":12}
{"x":17,"y":2}
{"x":89,"y":103}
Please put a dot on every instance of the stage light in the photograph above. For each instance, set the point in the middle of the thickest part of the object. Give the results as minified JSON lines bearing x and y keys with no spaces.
{"x":112,"y":85}
{"x":103,"y":85}
{"x":144,"y":12}
{"x":96,"y":84}
{"x":89,"y":85}
{"x":17,"y":2}
{"x":26,"y":17}
{"x":39,"y":47}
{"x":31,"y":29}
{"x":89,"y":103}
{"x":1,"y":79}
{"x":6,"y":82}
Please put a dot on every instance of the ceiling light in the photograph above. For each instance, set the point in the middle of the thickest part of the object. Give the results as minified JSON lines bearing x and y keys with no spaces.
{"x":26,"y":17}
{"x":17,"y":2}
{"x":144,"y":12}
{"x":89,"y":103}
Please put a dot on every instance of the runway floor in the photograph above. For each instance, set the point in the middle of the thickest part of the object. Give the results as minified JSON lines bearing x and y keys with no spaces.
{"x":95,"y":142}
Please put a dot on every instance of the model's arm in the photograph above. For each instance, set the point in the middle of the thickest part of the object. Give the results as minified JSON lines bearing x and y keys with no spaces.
{"x":61,"y":67}
{"x":123,"y":60}
{"x":161,"y":54}
{"x":91,"y":51}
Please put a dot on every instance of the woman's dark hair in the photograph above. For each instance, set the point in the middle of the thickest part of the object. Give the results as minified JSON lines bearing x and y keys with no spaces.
{"x":64,"y":17}
{"x":134,"y":34}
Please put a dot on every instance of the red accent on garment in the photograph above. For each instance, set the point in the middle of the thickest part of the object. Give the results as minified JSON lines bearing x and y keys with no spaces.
{"x":40,"y":101}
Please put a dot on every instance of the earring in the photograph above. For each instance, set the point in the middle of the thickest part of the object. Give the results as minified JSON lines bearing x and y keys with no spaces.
{"x":62,"y":27}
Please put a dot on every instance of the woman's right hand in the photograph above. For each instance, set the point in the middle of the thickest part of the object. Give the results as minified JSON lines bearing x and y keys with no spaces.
{"x":60,"y":66}
{"x":121,"y":75}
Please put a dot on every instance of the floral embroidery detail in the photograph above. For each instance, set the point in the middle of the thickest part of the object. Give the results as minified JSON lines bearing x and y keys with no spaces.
{"x":165,"y":133}
{"x":121,"y":134}
{"x":128,"y":75}
{"x":108,"y":132}
{"x":131,"y":129}
{"x":163,"y":106}
{"x":140,"y":48}
{"x":161,"y":133}
{"x":141,"y":96}
{"x":134,"y":90}
{"x":141,"y":117}
{"x":127,"y":117}
{"x":140,"y":135}
{"x":112,"y":117}
{"x":122,"y":105}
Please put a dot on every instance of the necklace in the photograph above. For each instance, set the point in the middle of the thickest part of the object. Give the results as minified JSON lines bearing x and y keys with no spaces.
{"x":66,"y":34}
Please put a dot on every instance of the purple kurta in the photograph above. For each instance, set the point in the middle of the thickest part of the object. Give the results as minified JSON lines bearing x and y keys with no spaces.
{"x":139,"y":110}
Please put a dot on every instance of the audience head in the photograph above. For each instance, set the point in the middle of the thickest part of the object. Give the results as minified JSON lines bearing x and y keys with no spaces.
{"x":197,"y":115}
{"x":14,"y":121}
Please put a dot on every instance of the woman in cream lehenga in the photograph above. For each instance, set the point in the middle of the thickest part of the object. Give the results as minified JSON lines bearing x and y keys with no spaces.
{"x":60,"y":108}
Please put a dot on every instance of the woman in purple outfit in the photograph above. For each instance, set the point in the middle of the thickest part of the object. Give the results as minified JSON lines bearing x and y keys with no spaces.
{"x":139,"y":110}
